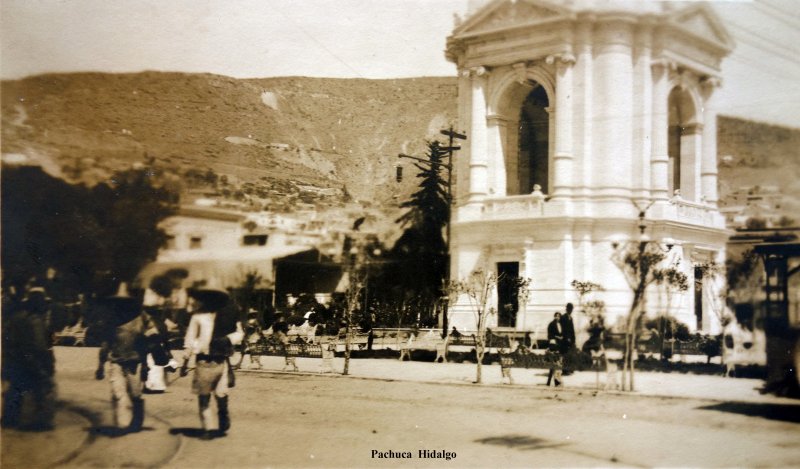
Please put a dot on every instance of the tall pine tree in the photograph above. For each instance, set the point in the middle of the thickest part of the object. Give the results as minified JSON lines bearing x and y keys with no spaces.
{"x":421,"y":250}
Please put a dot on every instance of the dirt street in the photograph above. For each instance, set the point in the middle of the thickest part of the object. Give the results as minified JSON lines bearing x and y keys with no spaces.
{"x":285,"y":420}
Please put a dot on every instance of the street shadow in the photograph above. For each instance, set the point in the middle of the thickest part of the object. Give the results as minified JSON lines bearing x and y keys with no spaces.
{"x":782,"y":412}
{"x":520,"y":442}
{"x":194,"y":432}
{"x":110,"y":431}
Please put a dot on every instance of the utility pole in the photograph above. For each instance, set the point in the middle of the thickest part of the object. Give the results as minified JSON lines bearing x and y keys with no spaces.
{"x":450,"y":148}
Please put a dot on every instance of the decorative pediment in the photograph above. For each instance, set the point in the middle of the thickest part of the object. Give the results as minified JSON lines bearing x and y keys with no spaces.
{"x":502,"y":14}
{"x":701,"y":21}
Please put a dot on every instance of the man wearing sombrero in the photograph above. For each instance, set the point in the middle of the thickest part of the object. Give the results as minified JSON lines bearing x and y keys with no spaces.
{"x":213,"y":331}
{"x":124,"y":346}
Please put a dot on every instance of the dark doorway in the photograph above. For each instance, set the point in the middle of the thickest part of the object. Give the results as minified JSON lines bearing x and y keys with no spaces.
{"x":698,"y":297}
{"x":507,"y":291}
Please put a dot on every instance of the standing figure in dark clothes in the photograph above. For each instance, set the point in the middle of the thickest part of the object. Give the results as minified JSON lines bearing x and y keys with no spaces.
{"x":28,"y":365}
{"x":568,"y":344}
{"x":555,"y":339}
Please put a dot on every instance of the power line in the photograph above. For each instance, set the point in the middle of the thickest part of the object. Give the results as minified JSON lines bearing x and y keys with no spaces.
{"x":319,"y":43}
{"x":774,"y":45}
{"x":780,"y":14}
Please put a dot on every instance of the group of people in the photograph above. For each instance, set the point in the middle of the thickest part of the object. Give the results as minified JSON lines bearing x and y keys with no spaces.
{"x":132,"y":334}
{"x":561,"y":341}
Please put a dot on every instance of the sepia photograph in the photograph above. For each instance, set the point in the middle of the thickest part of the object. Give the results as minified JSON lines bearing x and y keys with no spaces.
{"x":400,"y":233}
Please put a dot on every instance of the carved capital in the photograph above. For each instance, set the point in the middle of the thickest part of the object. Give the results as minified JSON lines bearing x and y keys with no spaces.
{"x":664,"y":65}
{"x":521,"y":71}
{"x":565,"y":58}
{"x":473,"y":72}
{"x":710,"y":84}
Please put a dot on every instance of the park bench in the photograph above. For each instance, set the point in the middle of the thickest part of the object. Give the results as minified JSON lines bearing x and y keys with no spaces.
{"x":291,"y":351}
{"x":358,"y":340}
{"x":430,"y":341}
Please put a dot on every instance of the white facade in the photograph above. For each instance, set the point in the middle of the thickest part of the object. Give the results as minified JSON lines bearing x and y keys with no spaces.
{"x":225,"y":246}
{"x":606,"y":106}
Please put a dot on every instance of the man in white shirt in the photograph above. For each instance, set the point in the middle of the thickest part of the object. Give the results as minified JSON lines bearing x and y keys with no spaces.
{"x":210,"y":337}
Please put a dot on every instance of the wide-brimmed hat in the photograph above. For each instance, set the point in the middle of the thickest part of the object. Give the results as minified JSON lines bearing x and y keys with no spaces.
{"x":211,"y":296}
{"x":36,"y":300}
{"x":123,"y":307}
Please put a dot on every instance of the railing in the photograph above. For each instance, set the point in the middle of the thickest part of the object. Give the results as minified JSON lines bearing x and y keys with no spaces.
{"x":693,"y":212}
{"x":515,"y":206}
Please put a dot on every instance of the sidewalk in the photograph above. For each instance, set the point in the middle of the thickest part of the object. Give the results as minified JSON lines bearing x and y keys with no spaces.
{"x":647,"y":383}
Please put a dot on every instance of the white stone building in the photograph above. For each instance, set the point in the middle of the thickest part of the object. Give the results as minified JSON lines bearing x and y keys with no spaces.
{"x":605,"y":105}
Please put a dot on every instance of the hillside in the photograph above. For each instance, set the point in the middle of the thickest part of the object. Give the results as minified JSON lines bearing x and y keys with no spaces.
{"x":312,"y":140}
{"x":326,"y":133}
{"x":752,"y":153}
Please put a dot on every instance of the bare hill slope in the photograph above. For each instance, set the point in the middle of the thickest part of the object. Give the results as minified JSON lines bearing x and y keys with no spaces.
{"x":330,"y":133}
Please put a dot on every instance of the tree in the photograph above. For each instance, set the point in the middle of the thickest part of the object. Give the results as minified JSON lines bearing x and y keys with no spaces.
{"x":95,"y":237}
{"x":421,"y":250}
{"x":672,"y":281}
{"x":639,"y":263}
{"x":745,"y":276}
{"x":595,"y":310}
{"x":361,"y":253}
{"x":478,"y":288}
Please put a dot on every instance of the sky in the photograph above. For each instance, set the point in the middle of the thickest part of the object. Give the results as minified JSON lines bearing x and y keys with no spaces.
{"x":343,"y":39}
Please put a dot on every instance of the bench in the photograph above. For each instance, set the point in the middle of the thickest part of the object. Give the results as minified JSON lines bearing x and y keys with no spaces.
{"x":358,"y":340}
{"x":432,"y":342}
{"x":291,"y":351}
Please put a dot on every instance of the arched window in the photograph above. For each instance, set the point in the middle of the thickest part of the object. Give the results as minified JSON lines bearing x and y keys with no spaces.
{"x":682,"y":144}
{"x":534,"y":142}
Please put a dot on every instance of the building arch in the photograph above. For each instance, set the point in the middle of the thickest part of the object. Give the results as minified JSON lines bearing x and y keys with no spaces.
{"x":520,"y":104}
{"x":684,"y":147}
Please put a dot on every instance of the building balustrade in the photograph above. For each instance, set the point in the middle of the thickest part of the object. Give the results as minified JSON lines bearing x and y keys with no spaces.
{"x":519,"y":207}
{"x":512,"y":207}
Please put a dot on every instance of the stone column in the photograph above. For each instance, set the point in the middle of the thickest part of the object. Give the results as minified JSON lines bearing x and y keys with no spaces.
{"x":478,"y":163}
{"x":708,"y":167}
{"x":643,"y":110}
{"x":690,"y":161}
{"x":562,"y":159}
{"x":584,"y":66}
{"x":613,"y":111}
{"x":659,"y":185}
{"x":497,"y":165}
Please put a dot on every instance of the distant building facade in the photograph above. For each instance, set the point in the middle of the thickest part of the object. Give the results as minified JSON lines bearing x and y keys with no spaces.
{"x":576,"y":114}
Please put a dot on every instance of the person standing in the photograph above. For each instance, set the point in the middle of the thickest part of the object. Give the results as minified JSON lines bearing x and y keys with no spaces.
{"x":568,"y":344}
{"x":28,"y":365}
{"x":555,"y":340}
{"x":252,"y":337}
{"x":212,"y":333}
{"x":124,"y":346}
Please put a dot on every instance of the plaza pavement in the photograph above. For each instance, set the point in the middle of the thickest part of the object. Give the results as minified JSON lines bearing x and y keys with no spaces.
{"x":69,"y":444}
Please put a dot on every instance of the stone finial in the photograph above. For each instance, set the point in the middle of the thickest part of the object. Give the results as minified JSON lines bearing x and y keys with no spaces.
{"x":537,"y":192}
